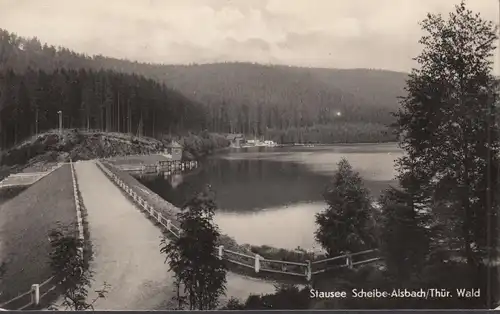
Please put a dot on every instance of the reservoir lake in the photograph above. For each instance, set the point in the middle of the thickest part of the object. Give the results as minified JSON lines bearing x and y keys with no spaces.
{"x":269,"y":196}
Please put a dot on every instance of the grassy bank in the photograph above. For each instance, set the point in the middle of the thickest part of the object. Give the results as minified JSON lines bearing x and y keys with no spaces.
{"x":51,"y":301}
{"x":5,"y":172}
{"x":10,"y":192}
{"x":25,"y":222}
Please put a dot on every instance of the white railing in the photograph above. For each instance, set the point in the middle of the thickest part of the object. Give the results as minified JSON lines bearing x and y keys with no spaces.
{"x":78,"y":206}
{"x":35,"y":288}
{"x":255,"y":262}
{"x":34,"y":294}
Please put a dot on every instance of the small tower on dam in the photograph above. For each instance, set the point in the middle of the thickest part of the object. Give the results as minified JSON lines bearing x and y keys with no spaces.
{"x":175,"y":150}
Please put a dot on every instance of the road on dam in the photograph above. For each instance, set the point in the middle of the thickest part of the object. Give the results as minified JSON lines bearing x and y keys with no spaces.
{"x":126,"y":250}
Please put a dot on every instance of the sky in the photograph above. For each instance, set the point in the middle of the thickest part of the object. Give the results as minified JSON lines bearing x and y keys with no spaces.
{"x":380,"y":34}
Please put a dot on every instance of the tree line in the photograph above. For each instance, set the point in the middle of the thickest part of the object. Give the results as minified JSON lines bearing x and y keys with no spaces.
{"x":103,"y":100}
{"x":236,"y":98}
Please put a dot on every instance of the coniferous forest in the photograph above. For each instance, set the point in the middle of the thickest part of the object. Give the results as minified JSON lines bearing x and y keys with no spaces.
{"x":103,"y":100}
{"x":281,"y":103}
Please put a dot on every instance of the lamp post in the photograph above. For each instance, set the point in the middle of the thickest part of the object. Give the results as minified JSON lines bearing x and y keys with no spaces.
{"x":60,"y":121}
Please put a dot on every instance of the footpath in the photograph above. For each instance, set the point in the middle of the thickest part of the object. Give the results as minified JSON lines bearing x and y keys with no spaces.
{"x":126,"y":250}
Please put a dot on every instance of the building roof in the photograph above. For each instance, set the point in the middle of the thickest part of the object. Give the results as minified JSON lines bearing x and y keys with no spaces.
{"x":234,"y":136}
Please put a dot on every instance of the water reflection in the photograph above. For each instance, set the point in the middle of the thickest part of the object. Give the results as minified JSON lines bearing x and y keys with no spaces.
{"x":285,"y":227}
{"x":273,"y":191}
{"x":243,"y":185}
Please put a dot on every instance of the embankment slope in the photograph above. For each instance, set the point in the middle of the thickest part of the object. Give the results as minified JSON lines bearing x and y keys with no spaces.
{"x":25,"y":223}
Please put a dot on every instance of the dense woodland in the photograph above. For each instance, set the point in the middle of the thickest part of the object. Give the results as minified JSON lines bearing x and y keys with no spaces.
{"x":103,"y":100}
{"x":286,"y":104}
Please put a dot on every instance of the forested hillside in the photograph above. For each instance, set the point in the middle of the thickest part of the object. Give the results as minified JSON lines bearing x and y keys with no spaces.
{"x":103,"y":100}
{"x":288,"y":104}
{"x":250,"y":98}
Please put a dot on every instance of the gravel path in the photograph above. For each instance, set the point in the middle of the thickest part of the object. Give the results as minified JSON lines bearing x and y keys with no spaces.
{"x":126,"y":250}
{"x":125,"y":245}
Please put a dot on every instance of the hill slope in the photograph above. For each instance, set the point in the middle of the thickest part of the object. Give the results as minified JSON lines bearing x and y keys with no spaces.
{"x":279,"y":84}
{"x":361,"y":95}
{"x":243,"y":97}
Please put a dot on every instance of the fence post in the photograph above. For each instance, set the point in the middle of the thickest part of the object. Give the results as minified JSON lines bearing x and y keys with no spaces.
{"x":257,"y":263}
{"x":308,"y":270}
{"x":35,"y":294}
{"x":348,"y":260}
{"x":221,"y":251}
{"x":169,"y":222}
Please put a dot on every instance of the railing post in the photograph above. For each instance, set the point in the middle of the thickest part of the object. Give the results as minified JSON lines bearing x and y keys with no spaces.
{"x":169,"y":224}
{"x":221,"y":251}
{"x":35,"y":294}
{"x":348,"y":260}
{"x":308,"y":270}
{"x":257,"y":263}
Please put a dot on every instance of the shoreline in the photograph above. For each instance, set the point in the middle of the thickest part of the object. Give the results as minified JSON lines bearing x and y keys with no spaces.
{"x":169,"y":211}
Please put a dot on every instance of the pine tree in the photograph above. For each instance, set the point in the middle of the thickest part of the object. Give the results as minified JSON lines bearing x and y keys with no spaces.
{"x":344,"y":226}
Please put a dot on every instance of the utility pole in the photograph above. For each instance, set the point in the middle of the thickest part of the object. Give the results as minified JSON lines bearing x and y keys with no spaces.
{"x":36,"y":121}
{"x":60,"y":121}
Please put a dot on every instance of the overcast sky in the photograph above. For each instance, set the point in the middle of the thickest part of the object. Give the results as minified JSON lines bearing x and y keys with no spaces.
{"x":380,"y":34}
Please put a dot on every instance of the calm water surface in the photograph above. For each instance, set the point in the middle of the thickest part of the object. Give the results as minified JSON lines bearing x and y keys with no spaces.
{"x":270,"y":195}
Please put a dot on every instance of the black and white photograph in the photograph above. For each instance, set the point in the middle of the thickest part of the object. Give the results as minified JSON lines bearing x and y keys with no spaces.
{"x":167,"y":155}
